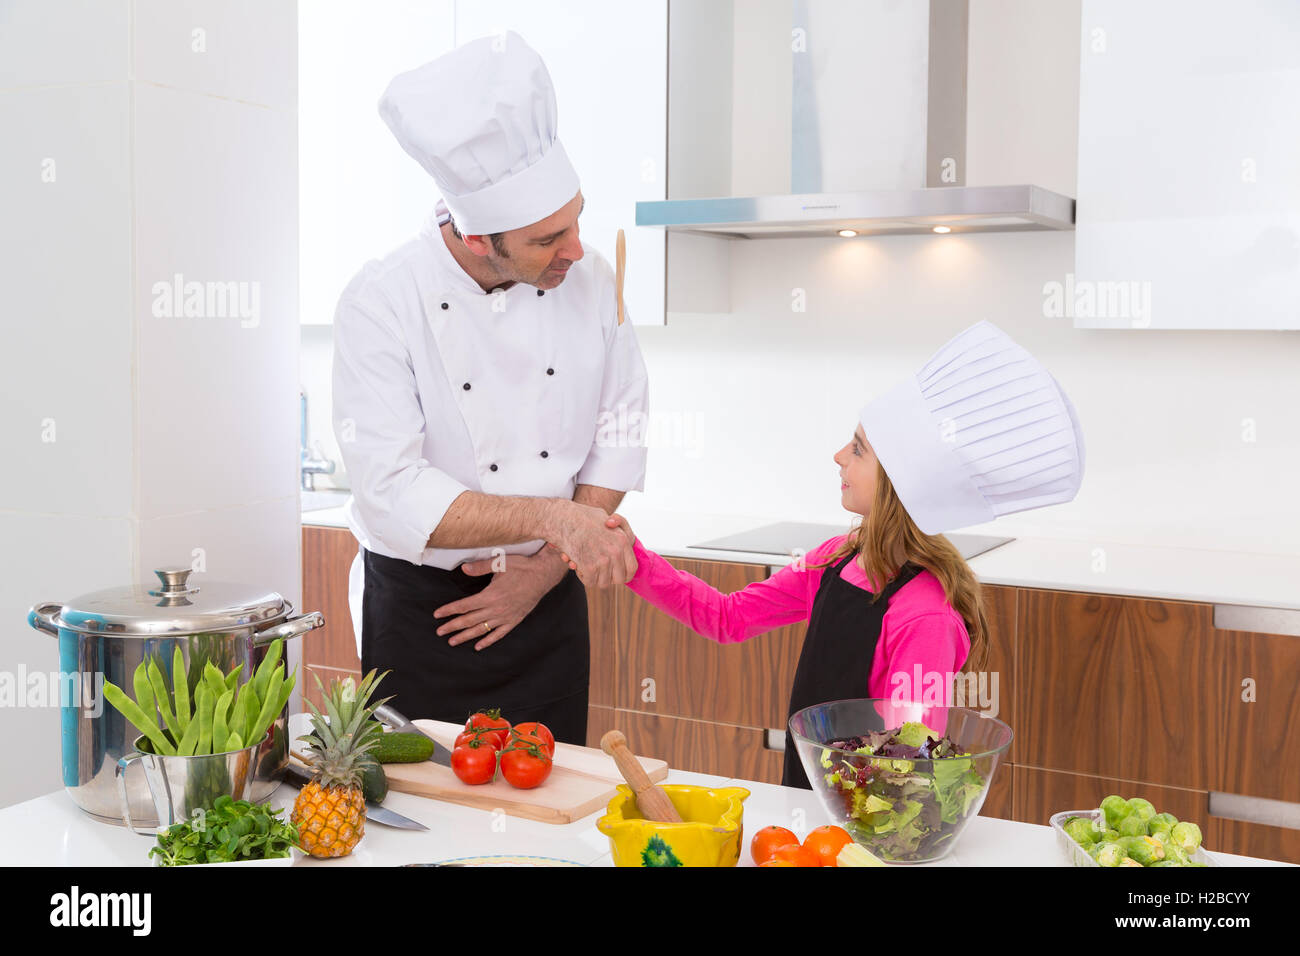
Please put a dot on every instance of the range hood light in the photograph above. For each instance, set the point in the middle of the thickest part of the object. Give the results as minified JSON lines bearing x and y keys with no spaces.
{"x":943,"y":230}
{"x":848,"y":233}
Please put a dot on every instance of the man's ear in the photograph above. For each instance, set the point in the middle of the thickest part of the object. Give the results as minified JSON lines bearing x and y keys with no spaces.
{"x":479,"y":245}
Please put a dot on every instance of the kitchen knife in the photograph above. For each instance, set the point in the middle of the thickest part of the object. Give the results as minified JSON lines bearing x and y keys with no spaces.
{"x":400,"y":724}
{"x":299,"y":774}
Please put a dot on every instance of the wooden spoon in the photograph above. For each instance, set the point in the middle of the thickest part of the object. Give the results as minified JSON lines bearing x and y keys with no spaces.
{"x":651,"y":800}
{"x":620,"y":256}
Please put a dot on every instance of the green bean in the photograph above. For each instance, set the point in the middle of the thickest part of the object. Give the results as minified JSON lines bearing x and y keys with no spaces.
{"x":285,"y":692}
{"x":143,"y":722}
{"x":267,"y":667}
{"x":232,"y":679}
{"x":220,"y":731}
{"x":191,"y":739}
{"x":180,"y":681}
{"x":215,"y":680}
{"x":144,"y":693}
{"x":206,"y":703}
{"x":267,"y":713}
{"x":162,"y":698}
{"x":235,"y":742}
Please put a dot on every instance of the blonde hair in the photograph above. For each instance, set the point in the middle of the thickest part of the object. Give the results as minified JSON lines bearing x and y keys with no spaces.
{"x":889,"y":529}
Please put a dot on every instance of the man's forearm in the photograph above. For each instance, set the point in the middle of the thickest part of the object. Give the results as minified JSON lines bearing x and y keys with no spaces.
{"x":476,"y":520}
{"x":605,"y":498}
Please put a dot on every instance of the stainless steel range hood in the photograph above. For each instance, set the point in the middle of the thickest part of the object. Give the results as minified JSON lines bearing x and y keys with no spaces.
{"x":877,"y":135}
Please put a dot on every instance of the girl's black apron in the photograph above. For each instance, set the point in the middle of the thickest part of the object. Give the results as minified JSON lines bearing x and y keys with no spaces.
{"x":539,"y":671}
{"x":838,"y":650}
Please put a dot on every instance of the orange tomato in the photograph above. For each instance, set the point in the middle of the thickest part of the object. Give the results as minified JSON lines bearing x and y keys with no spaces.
{"x":768,"y":840}
{"x":797,"y":855}
{"x":827,"y":842}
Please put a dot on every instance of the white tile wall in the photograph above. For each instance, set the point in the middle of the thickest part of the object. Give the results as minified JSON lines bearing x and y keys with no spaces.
{"x":226,"y":48}
{"x":257,"y":545}
{"x":218,"y":398}
{"x":80,"y":41}
{"x":52,"y":558}
{"x":65,"y":241}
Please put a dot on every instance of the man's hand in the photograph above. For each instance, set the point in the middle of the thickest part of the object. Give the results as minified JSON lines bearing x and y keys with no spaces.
{"x":614,"y":522}
{"x":601,"y":554}
{"x":509,"y":597}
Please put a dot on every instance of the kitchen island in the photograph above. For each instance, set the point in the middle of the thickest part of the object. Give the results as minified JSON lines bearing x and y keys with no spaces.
{"x":52,"y":831}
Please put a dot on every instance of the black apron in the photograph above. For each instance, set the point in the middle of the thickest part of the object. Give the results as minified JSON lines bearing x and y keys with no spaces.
{"x":539,"y":671}
{"x":838,"y":650}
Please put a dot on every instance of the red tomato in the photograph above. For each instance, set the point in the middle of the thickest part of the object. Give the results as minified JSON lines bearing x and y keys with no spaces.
{"x":767,"y":840}
{"x":488,"y":738}
{"x":490,"y":720}
{"x":525,"y":765}
{"x":474,"y":764}
{"x":539,"y":732}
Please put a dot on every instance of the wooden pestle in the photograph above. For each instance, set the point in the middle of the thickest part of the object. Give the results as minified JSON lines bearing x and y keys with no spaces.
{"x":651,"y":800}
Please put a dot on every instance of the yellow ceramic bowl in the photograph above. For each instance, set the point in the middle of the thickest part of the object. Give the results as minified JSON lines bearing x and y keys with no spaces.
{"x":711,"y":834}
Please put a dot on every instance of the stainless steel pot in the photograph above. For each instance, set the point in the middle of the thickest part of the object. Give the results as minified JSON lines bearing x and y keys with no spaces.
{"x":103,"y":636}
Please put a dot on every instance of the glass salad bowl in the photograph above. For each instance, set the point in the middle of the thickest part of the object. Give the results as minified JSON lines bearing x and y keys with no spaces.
{"x":903,"y":778}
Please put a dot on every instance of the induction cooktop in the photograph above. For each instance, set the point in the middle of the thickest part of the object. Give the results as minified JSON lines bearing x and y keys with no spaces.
{"x":785,"y":538}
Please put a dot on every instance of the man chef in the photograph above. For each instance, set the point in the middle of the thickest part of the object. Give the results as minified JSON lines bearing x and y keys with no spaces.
{"x":476,"y":371}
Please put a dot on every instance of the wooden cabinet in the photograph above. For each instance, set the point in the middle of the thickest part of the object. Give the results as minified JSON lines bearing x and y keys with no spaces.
{"x":1040,"y":793}
{"x":666,"y":668}
{"x":330,"y":651}
{"x":1119,"y":687}
{"x":1258,"y":739}
{"x":697,"y":745}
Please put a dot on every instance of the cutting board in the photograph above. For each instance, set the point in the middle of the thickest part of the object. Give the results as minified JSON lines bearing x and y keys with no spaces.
{"x":582,"y":781}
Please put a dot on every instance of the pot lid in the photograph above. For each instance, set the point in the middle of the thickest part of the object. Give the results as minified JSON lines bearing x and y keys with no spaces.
{"x":172,"y":606}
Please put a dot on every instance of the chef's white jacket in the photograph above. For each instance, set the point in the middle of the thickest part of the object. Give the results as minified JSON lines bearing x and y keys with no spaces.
{"x":440,"y":388}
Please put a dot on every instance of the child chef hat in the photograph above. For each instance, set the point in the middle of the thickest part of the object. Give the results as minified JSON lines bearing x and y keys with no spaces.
{"x":981,"y":430}
{"x":481,"y":121}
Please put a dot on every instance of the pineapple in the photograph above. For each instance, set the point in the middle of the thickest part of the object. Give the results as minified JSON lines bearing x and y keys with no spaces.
{"x":330,"y":812}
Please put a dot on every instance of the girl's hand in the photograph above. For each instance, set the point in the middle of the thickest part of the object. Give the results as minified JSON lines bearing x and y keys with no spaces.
{"x":613,"y":522}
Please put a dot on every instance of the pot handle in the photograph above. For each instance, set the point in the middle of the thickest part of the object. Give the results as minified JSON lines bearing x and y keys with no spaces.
{"x":42,"y":617}
{"x":292,"y":628}
{"x":120,"y":773}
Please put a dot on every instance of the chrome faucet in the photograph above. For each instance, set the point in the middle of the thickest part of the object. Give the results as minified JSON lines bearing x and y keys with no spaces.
{"x":309,"y":466}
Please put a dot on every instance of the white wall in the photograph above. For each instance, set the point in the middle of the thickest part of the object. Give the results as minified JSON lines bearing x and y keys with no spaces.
{"x":749,"y":406}
{"x":144,"y":139}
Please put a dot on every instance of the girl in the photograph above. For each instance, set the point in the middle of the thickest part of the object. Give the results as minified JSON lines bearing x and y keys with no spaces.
{"x":980,"y":431}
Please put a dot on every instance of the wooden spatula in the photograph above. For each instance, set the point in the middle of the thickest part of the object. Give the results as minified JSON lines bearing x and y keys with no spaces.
{"x":651,"y":800}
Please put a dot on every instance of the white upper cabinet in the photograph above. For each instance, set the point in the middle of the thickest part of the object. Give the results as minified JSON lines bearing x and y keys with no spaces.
{"x":1189,"y":145}
{"x":362,"y":195}
{"x":608,"y":60}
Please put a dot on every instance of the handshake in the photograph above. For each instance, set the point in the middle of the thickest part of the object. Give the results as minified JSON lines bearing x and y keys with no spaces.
{"x":596,"y":545}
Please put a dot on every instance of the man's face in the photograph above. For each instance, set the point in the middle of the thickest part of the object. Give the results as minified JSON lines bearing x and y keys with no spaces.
{"x":538,"y":255}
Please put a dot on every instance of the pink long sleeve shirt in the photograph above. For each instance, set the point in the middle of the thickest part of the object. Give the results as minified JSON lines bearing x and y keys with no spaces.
{"x":920,"y":628}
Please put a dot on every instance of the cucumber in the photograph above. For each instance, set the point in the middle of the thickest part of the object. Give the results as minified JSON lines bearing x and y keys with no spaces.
{"x":403,"y":748}
{"x":374,"y":783}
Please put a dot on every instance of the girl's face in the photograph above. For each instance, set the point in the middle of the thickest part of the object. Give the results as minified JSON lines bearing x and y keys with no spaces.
{"x":857,"y":474}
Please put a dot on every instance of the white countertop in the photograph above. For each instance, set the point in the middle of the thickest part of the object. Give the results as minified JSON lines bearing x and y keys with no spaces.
{"x":52,"y":831}
{"x":1097,"y":566}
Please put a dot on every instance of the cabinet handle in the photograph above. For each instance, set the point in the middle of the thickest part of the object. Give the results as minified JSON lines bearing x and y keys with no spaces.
{"x":1261,"y":620}
{"x":775,"y":740}
{"x":1273,"y":813}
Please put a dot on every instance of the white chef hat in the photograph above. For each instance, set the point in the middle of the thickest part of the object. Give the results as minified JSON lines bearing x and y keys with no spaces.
{"x":981,"y":430}
{"x":481,"y":121}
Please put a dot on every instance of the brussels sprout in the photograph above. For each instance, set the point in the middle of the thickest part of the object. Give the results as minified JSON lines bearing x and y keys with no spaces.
{"x":1082,"y":830}
{"x":1107,"y":854}
{"x":1186,"y":835}
{"x":1110,"y":836}
{"x":1129,"y":861}
{"x":1143,"y":808}
{"x":1146,"y":850}
{"x":1163,"y":863}
{"x":1160,"y":825}
{"x":1132,"y":825}
{"x":1115,"y":808}
{"x":1176,"y":854}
